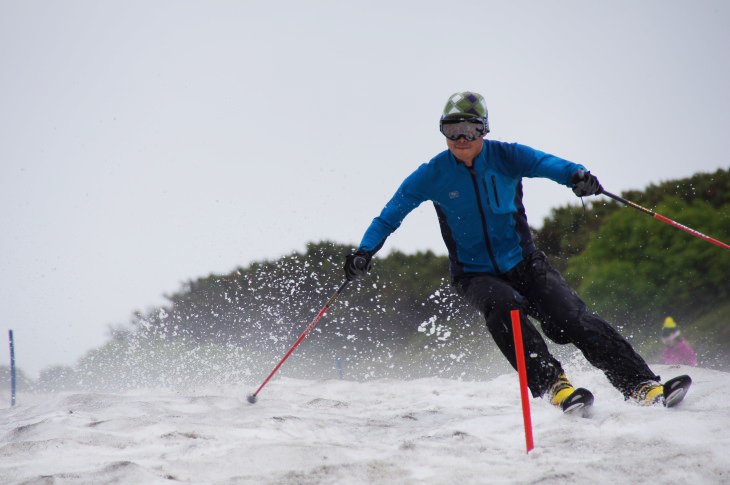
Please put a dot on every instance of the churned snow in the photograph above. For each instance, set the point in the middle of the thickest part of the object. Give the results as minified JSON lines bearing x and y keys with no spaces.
{"x":425,"y":431}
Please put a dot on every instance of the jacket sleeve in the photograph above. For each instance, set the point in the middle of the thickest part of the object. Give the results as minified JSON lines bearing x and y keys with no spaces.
{"x":540,"y":164}
{"x":407,"y":197}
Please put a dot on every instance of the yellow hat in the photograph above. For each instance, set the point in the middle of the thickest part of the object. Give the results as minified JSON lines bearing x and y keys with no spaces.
{"x":670,"y":330}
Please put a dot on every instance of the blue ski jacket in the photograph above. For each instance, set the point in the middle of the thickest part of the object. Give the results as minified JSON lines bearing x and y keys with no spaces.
{"x":480,"y":210}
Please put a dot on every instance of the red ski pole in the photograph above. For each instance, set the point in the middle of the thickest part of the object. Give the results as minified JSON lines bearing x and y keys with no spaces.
{"x":522,"y":371}
{"x":686,"y":229}
{"x":252,"y":397}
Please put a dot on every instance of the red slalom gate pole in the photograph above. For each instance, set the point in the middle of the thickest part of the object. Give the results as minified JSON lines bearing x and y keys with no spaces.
{"x":667,"y":220}
{"x":522,"y":371}
{"x":252,"y":397}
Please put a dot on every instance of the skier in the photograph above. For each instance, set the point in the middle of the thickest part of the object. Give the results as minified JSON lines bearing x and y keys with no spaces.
{"x":476,"y":189}
{"x":676,"y":348}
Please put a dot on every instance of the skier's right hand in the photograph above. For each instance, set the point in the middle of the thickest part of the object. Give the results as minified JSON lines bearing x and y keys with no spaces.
{"x":357,"y":265}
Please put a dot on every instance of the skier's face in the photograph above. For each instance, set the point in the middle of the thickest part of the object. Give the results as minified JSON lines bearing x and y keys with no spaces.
{"x":669,"y":341}
{"x":465,"y":150}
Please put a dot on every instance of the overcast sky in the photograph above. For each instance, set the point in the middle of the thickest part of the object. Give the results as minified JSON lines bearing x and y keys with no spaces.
{"x":147,"y":143}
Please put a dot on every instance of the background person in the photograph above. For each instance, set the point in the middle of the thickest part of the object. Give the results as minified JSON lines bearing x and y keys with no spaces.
{"x":677,"y":351}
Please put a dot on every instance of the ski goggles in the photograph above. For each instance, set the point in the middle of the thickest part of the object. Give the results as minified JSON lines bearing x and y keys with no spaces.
{"x":669,"y":335}
{"x":468,"y":129}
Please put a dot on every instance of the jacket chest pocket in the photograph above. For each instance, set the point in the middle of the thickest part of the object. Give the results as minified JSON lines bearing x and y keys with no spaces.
{"x":500,"y":192}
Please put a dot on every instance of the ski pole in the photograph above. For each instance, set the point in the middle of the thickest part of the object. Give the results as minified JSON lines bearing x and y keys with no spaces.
{"x":252,"y":397}
{"x":12,"y":368}
{"x":686,"y":229}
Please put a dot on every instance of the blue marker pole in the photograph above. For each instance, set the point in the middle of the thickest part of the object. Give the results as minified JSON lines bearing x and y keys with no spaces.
{"x":12,"y":368}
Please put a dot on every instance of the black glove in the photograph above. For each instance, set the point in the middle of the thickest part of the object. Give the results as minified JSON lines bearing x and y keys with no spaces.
{"x":585,"y":184}
{"x":357,"y":265}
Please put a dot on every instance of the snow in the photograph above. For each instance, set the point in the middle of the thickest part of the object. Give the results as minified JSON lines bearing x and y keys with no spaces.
{"x":424,"y":431}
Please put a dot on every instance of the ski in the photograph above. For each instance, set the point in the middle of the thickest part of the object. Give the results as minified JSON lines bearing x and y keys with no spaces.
{"x":578,"y":403}
{"x":675,"y":390}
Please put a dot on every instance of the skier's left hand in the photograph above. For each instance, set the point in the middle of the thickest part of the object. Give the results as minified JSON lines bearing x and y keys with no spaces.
{"x":584,"y":183}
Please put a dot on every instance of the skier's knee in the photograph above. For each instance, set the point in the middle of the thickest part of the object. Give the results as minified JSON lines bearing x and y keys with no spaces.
{"x":555,"y":333}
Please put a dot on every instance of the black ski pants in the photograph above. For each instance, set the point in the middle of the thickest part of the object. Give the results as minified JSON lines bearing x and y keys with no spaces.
{"x":537,"y":289}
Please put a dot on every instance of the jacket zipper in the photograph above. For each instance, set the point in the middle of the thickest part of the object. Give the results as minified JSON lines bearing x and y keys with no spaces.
{"x":487,"y":241}
{"x":496,"y":193}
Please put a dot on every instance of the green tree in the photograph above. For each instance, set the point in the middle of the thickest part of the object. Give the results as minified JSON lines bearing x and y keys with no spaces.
{"x":636,"y":268}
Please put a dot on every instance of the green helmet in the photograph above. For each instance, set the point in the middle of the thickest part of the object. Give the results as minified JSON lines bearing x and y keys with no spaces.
{"x":466,"y":106}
